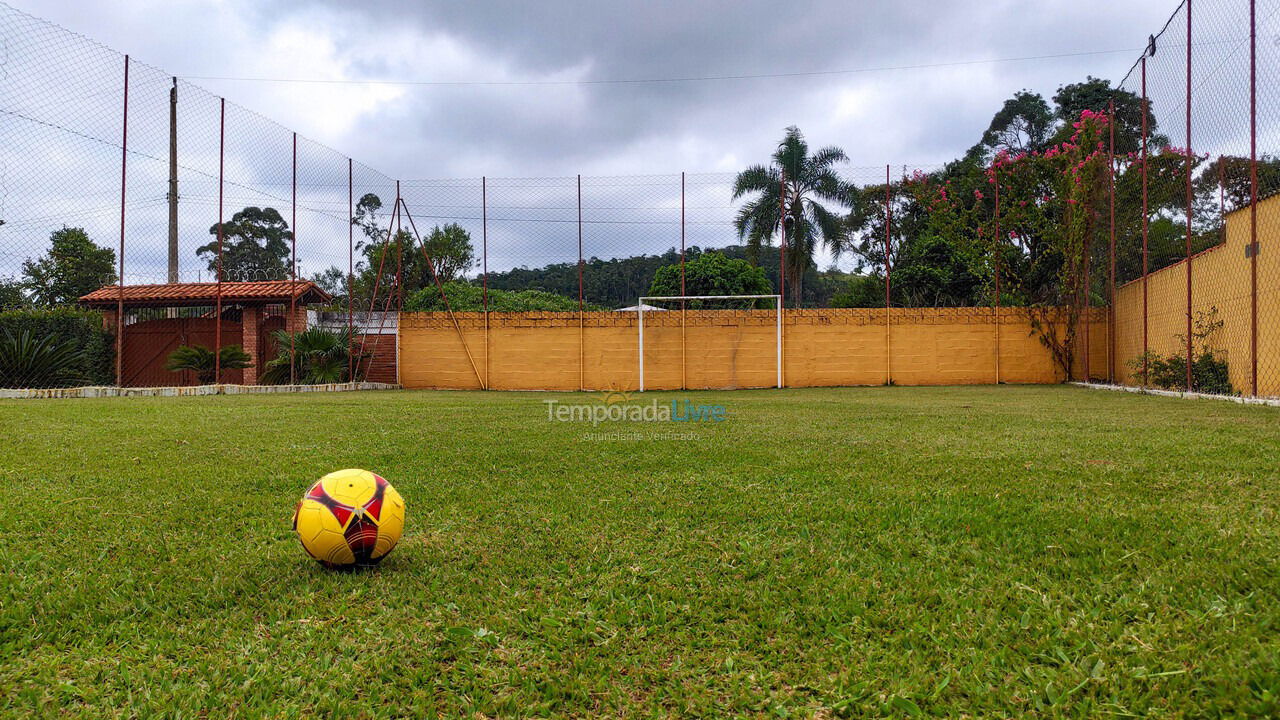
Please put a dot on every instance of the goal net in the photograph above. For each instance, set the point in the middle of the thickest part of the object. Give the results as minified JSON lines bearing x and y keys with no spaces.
{"x":709,"y":341}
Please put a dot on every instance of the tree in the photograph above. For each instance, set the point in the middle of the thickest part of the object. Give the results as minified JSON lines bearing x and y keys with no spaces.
{"x":1096,"y":95}
{"x":808,"y":179}
{"x":1023,"y":125}
{"x":255,"y":246}
{"x":711,"y":273}
{"x":73,"y":267}
{"x":450,"y":249}
{"x":11,"y":294}
{"x":333,"y":280}
{"x":366,"y":218}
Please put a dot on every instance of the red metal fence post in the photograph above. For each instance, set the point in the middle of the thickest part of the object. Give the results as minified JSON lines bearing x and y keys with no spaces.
{"x":1253,"y":196}
{"x":124,"y":181}
{"x":1190,"y":159}
{"x":682,"y":289}
{"x":888,"y":228}
{"x":399,"y":263}
{"x":293,"y":270}
{"x":581,"y":349}
{"x":683,"y":305}
{"x":1086,"y":301}
{"x":996,"y":184}
{"x":217,"y":314}
{"x":1111,"y":263}
{"x":351,"y":275}
{"x":1146,"y":107}
{"x":484,"y":268}
{"x":782,"y":236}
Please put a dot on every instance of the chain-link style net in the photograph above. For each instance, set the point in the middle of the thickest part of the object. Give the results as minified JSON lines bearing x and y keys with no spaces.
{"x":1130,"y":242}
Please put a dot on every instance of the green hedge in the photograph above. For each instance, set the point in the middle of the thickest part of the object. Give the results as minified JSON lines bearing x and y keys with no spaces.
{"x":465,"y":297}
{"x":84,"y":327}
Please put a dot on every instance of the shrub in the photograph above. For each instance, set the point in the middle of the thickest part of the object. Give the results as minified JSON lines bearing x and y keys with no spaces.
{"x":199,"y":359}
{"x":94,"y":363}
{"x":1209,"y":371}
{"x":318,"y":356}
{"x":27,"y":360}
{"x":465,"y":297}
{"x":861,"y":291}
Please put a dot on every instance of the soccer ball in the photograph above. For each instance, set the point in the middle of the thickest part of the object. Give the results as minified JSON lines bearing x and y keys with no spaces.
{"x":349,"y":517}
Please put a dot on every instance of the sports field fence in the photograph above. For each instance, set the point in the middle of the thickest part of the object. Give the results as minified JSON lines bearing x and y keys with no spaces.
{"x":189,"y":220}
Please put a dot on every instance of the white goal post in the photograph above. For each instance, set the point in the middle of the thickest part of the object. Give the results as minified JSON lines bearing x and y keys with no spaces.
{"x":777,"y":301}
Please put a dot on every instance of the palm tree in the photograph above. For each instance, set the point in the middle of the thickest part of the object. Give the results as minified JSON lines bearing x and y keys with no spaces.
{"x":791,"y":187}
{"x":318,"y":356}
{"x":199,"y":359}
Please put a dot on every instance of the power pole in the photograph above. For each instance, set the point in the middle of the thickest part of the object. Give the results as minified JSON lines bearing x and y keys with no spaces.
{"x":173,"y":182}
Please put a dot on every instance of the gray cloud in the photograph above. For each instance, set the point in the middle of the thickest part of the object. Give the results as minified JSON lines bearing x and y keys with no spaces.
{"x":916,"y":116}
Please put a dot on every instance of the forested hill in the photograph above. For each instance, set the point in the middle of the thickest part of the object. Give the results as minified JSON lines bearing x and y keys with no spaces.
{"x":618,"y":282}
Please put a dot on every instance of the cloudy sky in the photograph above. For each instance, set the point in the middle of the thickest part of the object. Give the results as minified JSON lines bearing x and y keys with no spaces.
{"x":531,"y":92}
{"x":531,"y":101}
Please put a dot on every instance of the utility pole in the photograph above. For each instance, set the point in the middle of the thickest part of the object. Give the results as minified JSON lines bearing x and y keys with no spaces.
{"x":173,"y":182}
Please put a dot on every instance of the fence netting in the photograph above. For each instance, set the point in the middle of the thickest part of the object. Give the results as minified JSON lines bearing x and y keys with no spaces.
{"x":154,"y":234}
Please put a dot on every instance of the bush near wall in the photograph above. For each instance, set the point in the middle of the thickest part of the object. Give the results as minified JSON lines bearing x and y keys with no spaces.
{"x":465,"y":297}
{"x":83,"y":327}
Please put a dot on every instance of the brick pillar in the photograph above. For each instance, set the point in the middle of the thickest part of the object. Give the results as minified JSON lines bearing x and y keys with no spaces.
{"x":252,"y":321}
{"x":109,"y":320}
{"x":298,"y":322}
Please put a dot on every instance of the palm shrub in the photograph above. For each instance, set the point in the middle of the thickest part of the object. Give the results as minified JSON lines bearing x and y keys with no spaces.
{"x":199,"y":359}
{"x":40,"y":361}
{"x":67,"y":325}
{"x":316,"y":356}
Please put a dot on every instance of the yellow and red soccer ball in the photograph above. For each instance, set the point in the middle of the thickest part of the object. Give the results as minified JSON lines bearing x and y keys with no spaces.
{"x":349,"y":517}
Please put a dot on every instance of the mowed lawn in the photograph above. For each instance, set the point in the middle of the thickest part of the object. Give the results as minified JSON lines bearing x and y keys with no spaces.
{"x":993,"y":551}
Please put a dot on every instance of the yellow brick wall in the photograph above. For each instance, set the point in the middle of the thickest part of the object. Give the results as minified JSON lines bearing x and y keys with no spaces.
{"x":730,"y":349}
{"x":1220,"y":278}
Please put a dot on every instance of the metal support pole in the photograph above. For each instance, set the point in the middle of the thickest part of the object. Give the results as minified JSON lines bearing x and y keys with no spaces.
{"x":640,"y":350}
{"x":351,"y":276}
{"x":293,"y":272}
{"x":1111,"y":263}
{"x":217,"y":313}
{"x":683,"y":304}
{"x":582,"y":368}
{"x":173,"y":182}
{"x":996,"y":184}
{"x":484,"y":268}
{"x":1222,"y":200}
{"x":1253,"y":197}
{"x":1146,"y":105}
{"x":1190,"y":199}
{"x":778,"y":341}
{"x":1086,"y":301}
{"x":888,"y":271}
{"x":782,"y":251}
{"x":782,"y":235}
{"x":399,"y":261}
{"x":124,"y":182}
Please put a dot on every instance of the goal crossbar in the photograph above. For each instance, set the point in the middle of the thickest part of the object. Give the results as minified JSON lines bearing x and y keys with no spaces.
{"x":777,"y":300}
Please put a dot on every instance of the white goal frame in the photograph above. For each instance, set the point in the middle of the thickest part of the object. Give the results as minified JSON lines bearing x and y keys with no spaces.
{"x":777,"y":300}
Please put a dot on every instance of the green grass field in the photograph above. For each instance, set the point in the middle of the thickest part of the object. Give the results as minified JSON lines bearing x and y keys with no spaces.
{"x":1000,"y":551}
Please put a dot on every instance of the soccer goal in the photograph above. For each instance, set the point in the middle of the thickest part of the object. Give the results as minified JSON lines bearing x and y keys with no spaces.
{"x":735,"y":326}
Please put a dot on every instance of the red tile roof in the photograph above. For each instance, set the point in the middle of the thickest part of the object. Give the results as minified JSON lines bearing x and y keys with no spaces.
{"x":195,"y":294}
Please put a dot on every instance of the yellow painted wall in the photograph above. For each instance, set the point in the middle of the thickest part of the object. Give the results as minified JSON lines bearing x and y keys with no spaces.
{"x":729,"y":349}
{"x":1220,"y":278}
